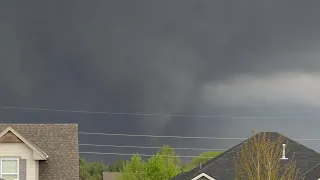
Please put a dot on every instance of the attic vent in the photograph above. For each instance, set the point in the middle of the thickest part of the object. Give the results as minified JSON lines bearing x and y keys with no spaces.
{"x":9,"y":137}
{"x":284,"y":152}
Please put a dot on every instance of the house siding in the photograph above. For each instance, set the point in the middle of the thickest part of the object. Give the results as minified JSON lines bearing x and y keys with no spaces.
{"x":21,"y":150}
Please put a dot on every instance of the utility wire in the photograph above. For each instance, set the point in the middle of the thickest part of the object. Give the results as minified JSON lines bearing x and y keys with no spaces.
{"x":183,"y":137}
{"x":314,"y":139}
{"x":158,"y":114}
{"x":146,"y":147}
{"x":152,"y":114}
{"x":154,"y":136}
{"x":143,"y":155}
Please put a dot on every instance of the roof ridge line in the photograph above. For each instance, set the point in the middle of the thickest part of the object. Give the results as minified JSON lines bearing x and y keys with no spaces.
{"x":241,"y":143}
{"x":304,"y":146}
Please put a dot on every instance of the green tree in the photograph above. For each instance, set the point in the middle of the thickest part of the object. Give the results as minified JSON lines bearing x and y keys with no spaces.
{"x":156,"y":168}
{"x":90,"y":170}
{"x":169,"y":155}
{"x":134,"y":169}
{"x":202,"y":158}
{"x":166,"y":160}
{"x":96,"y":170}
{"x":83,"y":170}
{"x":116,"y":166}
{"x":162,"y":166}
{"x":187,"y":167}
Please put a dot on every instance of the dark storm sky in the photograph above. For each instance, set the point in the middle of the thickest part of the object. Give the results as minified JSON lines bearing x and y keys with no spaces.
{"x":235,"y":58}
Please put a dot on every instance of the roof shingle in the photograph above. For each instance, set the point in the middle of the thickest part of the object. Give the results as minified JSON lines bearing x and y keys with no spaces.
{"x":222,"y":166}
{"x":60,"y":142}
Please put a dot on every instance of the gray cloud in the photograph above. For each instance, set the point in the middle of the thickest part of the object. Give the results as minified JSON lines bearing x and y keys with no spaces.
{"x":279,"y":89}
{"x":161,"y":56}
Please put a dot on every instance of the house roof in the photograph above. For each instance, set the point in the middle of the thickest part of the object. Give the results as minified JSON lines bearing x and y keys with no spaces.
{"x":222,"y":166}
{"x":38,"y":154}
{"x":110,"y":175}
{"x":58,"y":141}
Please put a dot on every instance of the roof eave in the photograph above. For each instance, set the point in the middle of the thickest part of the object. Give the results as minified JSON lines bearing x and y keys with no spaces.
{"x":38,"y":154}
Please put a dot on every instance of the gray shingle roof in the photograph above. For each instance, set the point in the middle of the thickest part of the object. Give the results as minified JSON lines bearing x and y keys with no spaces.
{"x":60,"y":142}
{"x":222,"y":166}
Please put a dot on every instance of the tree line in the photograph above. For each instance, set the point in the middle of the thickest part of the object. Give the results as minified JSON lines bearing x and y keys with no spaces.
{"x":165,"y":164}
{"x":258,"y":159}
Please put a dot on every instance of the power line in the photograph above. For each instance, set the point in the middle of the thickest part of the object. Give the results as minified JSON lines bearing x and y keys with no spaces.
{"x":183,"y":137}
{"x":143,"y":155}
{"x":307,"y":139}
{"x":152,"y":114}
{"x":154,"y":136}
{"x":146,"y":147}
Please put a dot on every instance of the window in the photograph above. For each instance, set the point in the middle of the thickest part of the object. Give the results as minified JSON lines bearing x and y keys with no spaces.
{"x":10,"y":168}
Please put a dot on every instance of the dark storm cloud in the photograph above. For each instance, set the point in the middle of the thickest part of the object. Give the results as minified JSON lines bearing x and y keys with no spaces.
{"x":148,"y":49}
{"x":146,"y":56}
